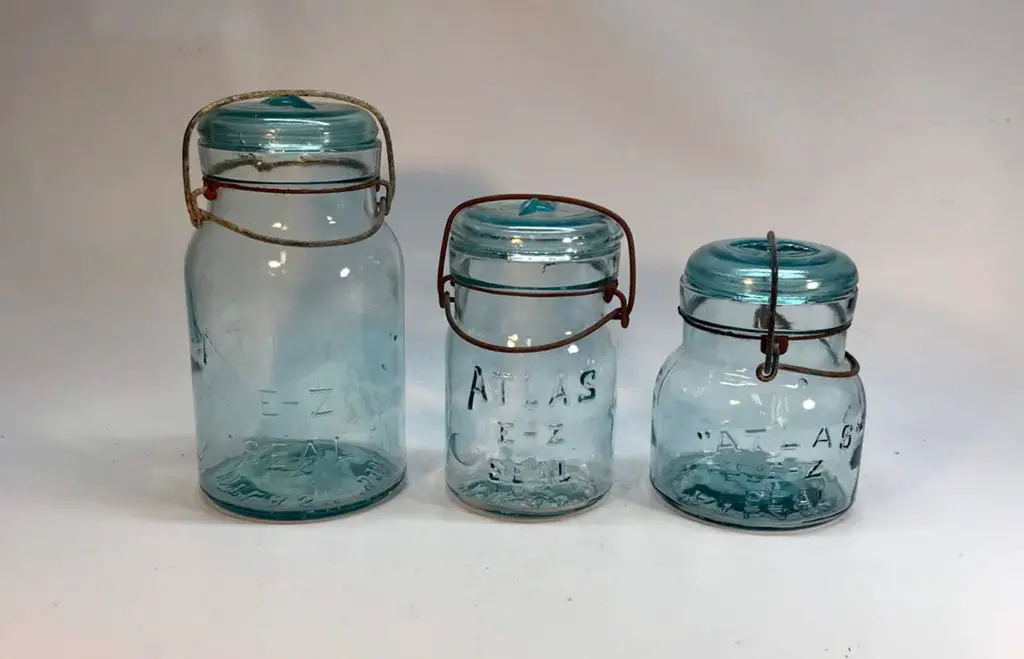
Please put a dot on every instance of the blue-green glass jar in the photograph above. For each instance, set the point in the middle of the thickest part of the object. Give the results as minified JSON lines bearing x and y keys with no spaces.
{"x":531,"y":364}
{"x":758,"y":417}
{"x":294,"y":288}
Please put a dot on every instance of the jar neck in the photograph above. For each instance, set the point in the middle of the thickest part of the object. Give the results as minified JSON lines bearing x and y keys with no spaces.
{"x":795,"y":322}
{"x":826,"y":353}
{"x":524,"y":321}
{"x":525,"y":318}
{"x":306,"y":215}
{"x":297,"y":216}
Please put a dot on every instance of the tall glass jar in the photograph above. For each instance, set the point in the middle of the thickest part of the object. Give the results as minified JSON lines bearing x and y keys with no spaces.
{"x":531,"y":365}
{"x":758,"y":417}
{"x":294,"y":289}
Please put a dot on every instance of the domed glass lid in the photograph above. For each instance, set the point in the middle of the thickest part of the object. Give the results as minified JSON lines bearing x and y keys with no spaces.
{"x":286,"y":124}
{"x":740,"y":269}
{"x":535,"y":230}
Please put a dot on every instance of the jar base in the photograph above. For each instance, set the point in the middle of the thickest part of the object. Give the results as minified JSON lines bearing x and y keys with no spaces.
{"x":516,"y":502}
{"x":715,"y":489}
{"x":297,"y":483}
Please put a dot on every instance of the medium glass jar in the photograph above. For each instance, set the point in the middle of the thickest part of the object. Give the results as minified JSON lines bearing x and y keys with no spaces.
{"x":531,"y":365}
{"x":758,"y":417}
{"x":294,"y":289}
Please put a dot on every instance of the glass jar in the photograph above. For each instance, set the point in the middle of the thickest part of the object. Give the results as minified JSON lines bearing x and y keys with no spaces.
{"x":758,"y":417}
{"x":531,"y":366}
{"x":294,"y":287}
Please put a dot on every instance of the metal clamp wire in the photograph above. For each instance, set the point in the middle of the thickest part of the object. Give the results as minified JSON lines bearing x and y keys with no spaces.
{"x":610,"y":289}
{"x":774,"y":346}
{"x":211,"y":183}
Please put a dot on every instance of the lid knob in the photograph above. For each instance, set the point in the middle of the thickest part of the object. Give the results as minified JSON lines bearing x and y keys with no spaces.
{"x":535,"y":206}
{"x":289,"y":101}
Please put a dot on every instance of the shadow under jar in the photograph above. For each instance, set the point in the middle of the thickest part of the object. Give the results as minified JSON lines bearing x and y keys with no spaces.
{"x":531,"y":365}
{"x":295,"y":306}
{"x":758,"y":418}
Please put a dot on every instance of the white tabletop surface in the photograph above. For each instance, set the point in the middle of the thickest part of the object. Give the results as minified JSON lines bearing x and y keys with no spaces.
{"x":108,"y":550}
{"x":893,"y":130}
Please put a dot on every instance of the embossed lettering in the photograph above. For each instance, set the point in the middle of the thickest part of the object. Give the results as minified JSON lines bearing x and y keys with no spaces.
{"x":317,"y":404}
{"x":321,"y":395}
{"x":815,"y":470}
{"x":725,"y":440}
{"x":553,"y":433}
{"x":559,"y":393}
{"x":755,"y":432}
{"x":847,"y":436}
{"x":282,"y":453}
{"x":478,"y":386}
{"x":266,"y":399}
{"x":527,"y":471}
{"x":529,"y":402}
{"x":823,"y":436}
{"x":517,"y":472}
{"x":279,"y":453}
{"x":586,"y":381}
{"x":520,"y":390}
{"x":502,"y":379}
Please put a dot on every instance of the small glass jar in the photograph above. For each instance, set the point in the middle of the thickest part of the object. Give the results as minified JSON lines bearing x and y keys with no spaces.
{"x":294,"y":288}
{"x":531,"y":365}
{"x":758,"y":417}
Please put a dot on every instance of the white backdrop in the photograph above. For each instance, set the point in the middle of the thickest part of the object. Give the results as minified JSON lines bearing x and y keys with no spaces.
{"x":892,"y":129}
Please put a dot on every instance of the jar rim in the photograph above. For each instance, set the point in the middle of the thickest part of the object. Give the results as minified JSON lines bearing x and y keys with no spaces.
{"x":740,"y":269}
{"x":288,"y":124}
{"x":535,"y":230}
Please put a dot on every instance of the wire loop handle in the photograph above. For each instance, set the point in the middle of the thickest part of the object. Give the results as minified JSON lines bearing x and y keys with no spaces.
{"x":610,"y":290}
{"x":774,"y":346}
{"x":211,"y":185}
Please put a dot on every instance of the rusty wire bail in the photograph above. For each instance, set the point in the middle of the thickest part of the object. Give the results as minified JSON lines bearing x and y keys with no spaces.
{"x":610,"y":289}
{"x":774,"y":346}
{"x":198,"y":215}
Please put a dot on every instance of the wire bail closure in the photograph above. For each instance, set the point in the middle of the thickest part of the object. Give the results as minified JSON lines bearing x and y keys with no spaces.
{"x":210,"y":186}
{"x":771,"y":347}
{"x":610,"y":290}
{"x":774,"y":346}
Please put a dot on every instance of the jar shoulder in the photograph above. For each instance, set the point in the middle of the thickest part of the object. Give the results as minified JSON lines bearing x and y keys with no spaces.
{"x":735,"y":388}
{"x":597,"y":350}
{"x":212,"y":248}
